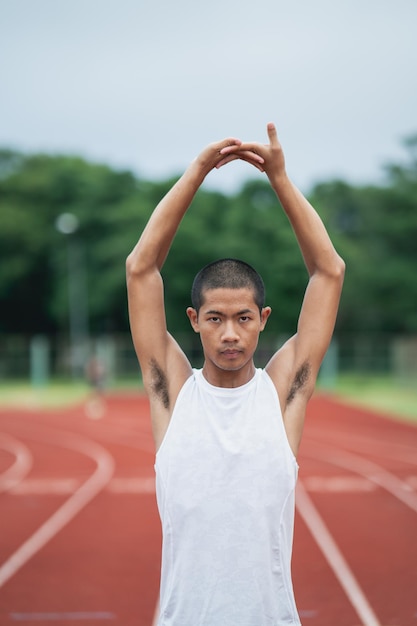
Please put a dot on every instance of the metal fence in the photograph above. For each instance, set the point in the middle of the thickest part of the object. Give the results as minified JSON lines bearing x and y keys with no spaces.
{"x":41,"y":358}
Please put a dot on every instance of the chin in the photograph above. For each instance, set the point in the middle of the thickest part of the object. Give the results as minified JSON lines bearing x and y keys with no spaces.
{"x":231,"y":365}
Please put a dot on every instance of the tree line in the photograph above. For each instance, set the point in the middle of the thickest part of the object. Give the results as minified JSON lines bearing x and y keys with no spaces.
{"x":374,"y":227}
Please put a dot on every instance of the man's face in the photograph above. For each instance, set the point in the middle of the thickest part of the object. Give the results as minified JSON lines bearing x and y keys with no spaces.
{"x":229,"y":323}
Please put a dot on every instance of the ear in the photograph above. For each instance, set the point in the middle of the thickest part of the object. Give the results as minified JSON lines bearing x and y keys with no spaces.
{"x":193,"y":317}
{"x":265,"y":313}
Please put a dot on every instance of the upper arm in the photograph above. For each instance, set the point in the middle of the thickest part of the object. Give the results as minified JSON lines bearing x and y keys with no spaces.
{"x":294,"y":368}
{"x":317,"y":319}
{"x":146,"y":315}
{"x":163,"y":364}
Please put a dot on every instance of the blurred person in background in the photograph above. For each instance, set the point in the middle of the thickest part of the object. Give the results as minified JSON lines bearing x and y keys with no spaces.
{"x":95,"y":373}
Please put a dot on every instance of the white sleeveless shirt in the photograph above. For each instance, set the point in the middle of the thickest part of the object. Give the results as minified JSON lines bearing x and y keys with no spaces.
{"x":225,"y":483}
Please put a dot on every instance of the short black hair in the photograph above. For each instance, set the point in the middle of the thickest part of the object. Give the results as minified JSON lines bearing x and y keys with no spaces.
{"x":230,"y":274}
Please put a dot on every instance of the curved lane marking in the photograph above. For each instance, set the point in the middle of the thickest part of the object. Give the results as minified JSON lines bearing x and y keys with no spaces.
{"x":334,"y":557}
{"x":375,"y":473}
{"x":395,"y":451}
{"x":71,"y":507}
{"x":21,"y":466}
{"x":338,"y":484}
{"x":142,"y":441}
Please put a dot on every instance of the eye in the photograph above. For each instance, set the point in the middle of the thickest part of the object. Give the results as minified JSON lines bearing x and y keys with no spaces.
{"x":214,"y":319}
{"x":245,"y":318}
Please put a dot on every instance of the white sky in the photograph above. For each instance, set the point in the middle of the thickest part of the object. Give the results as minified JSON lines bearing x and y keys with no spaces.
{"x":146,"y":85}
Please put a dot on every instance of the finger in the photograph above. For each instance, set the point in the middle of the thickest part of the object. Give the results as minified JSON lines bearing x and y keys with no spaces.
{"x":272,"y":134}
{"x":229,"y":148}
{"x":227,"y":159}
{"x":248,"y":158}
{"x":247,"y":149}
{"x":234,"y":157}
{"x":257,"y":165}
{"x":251,"y":155}
{"x":230,"y":142}
{"x":227,"y":145}
{"x":246,"y":146}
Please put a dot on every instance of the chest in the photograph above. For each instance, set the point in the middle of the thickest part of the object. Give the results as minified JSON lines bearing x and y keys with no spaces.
{"x":220,"y":451}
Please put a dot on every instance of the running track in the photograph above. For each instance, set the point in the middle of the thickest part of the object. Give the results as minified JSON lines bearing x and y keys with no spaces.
{"x":80,"y":535}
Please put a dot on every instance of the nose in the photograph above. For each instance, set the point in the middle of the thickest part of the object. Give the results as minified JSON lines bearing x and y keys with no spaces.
{"x":230,"y":332}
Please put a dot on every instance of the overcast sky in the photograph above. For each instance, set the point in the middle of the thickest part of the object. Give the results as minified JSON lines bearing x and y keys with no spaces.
{"x":146,"y":85}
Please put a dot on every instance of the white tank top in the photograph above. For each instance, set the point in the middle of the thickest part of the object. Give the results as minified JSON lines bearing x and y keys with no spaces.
{"x":225,"y":482}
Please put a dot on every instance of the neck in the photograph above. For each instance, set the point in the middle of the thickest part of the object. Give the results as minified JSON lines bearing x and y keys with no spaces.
{"x":228,"y":378}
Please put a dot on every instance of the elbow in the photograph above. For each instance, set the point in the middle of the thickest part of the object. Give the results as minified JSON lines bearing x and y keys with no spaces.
{"x":334,"y":269}
{"x":337,"y":272}
{"x":134,"y":267}
{"x":130,"y":265}
{"x":338,"y":268}
{"x":139,"y":268}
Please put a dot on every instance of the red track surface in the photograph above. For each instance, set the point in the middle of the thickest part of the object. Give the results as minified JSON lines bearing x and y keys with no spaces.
{"x":80,"y":535}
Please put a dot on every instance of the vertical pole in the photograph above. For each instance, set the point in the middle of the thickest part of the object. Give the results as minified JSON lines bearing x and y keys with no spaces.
{"x":39,"y":361}
{"x":330,"y":366}
{"x":78,"y":307}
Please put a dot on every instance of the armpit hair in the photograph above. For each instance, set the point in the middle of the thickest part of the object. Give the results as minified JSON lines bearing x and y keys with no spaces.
{"x":300,"y":380}
{"x":159,"y":383}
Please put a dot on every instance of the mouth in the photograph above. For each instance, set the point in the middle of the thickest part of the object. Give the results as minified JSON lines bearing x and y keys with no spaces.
{"x":231,"y":353}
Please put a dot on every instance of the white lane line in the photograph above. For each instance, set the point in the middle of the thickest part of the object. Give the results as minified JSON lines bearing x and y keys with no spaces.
{"x":338,"y":484}
{"x":400,"y":489}
{"x":412,"y":481}
{"x":361,"y":444}
{"x":21,"y":466}
{"x":334,"y":557}
{"x":143,"y":485}
{"x":136,"y":485}
{"x":71,"y":507}
{"x":46,"y":487}
{"x":61,"y":617}
{"x":142,"y":441}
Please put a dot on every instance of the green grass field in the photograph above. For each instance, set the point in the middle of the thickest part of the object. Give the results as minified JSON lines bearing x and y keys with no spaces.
{"x":376,"y":392}
{"x":55,"y":394}
{"x":382,"y":393}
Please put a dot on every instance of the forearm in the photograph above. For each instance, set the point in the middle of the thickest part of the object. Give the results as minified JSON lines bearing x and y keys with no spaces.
{"x":153,"y":246}
{"x":315,"y":244}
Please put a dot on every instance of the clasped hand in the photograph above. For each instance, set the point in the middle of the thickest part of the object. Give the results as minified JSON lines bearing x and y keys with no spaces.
{"x":268,"y":158}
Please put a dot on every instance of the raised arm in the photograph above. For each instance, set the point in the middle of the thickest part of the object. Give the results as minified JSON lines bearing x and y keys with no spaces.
{"x":295,"y":367}
{"x":164,"y":366}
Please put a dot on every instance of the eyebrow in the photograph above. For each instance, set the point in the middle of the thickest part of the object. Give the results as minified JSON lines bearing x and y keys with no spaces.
{"x":220,"y":314}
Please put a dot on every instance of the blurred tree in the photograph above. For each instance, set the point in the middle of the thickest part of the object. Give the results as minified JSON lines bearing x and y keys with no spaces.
{"x":374,"y":228}
{"x":34,"y":191}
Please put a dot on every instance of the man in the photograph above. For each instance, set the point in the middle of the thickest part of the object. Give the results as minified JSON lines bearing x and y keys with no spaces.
{"x":227,"y":436}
